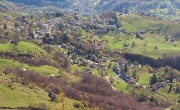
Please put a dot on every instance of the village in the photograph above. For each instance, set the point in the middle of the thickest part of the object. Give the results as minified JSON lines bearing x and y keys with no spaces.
{"x":44,"y":31}
{"x":89,"y":54}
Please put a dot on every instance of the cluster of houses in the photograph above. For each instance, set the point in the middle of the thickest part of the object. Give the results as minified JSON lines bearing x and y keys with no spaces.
{"x":83,"y":7}
{"x":120,"y":70}
{"x":167,"y":38}
{"x":88,"y":60}
{"x":52,"y":26}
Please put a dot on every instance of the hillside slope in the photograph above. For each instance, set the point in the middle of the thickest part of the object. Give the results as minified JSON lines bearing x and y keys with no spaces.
{"x":135,"y":23}
{"x":171,"y":8}
{"x":16,"y":95}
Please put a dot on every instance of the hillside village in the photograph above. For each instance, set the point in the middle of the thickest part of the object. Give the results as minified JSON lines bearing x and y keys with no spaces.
{"x":46,"y":31}
{"x":79,"y":48}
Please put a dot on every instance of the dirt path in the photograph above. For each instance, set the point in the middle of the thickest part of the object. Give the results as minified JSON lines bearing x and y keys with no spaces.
{"x":107,"y":78}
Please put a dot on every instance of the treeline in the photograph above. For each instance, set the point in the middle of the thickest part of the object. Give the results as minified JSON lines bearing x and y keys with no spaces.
{"x":167,"y":60}
{"x":92,"y":91}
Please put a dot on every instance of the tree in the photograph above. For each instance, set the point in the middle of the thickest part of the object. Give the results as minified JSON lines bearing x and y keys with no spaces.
{"x":7,"y":70}
{"x":153,"y":79}
{"x":178,"y":87}
{"x":133,"y":44}
{"x":170,"y":88}
{"x":155,"y":47}
{"x":125,"y":68}
{"x":5,"y":26}
{"x":140,"y":95}
{"x":52,"y":96}
{"x":45,"y":39}
{"x":134,"y":74}
{"x":59,"y":14}
{"x":111,"y":79}
{"x":6,"y":33}
{"x":66,"y":62}
{"x":16,"y":37}
{"x":61,"y":98}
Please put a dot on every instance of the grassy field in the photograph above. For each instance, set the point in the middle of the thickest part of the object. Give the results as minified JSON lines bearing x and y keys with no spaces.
{"x":143,"y":75}
{"x":6,"y":14}
{"x":135,"y":23}
{"x":46,"y":70}
{"x":172,"y":94}
{"x":121,"y":85}
{"x":24,"y":47}
{"x":146,"y":46}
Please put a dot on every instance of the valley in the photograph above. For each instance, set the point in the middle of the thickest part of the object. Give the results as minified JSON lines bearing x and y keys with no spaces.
{"x":76,"y":58}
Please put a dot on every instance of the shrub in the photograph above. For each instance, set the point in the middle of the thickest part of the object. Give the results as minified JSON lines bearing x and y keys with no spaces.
{"x":38,"y":106}
{"x":31,"y":86}
{"x":177,"y":88}
{"x":7,"y":70}
{"x":78,"y":105}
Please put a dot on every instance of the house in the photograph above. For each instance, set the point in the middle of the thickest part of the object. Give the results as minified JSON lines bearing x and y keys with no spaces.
{"x":121,"y":63}
{"x":6,"y":17}
{"x":40,"y":36}
{"x":88,"y":71}
{"x":84,"y":63}
{"x":178,"y":101}
{"x":17,"y":29}
{"x":126,"y":12}
{"x":116,"y":70}
{"x":93,"y":65}
{"x":70,"y":47}
{"x":167,"y":38}
{"x":178,"y":79}
{"x":172,"y":40}
{"x":53,"y":75}
{"x":125,"y":45}
{"x":45,"y":27}
{"x":158,"y":85}
{"x":76,"y":62}
{"x":139,"y":35}
{"x":63,"y":46}
{"x":142,"y":31}
{"x":14,"y":42}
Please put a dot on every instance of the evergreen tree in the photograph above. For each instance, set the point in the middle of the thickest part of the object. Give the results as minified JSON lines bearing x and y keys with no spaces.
{"x":153,"y":79}
{"x":5,"y":26}
{"x":170,"y":88}
{"x":125,"y":68}
{"x":6,"y":33}
{"x":134,"y":74}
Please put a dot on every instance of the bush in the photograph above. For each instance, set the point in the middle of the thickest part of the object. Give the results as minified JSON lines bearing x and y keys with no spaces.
{"x":31,"y":86}
{"x":7,"y":70}
{"x":38,"y":106}
{"x":78,"y":105}
{"x":177,"y":88}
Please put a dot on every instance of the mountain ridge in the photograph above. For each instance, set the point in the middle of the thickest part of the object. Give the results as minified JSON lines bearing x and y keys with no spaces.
{"x":36,"y":2}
